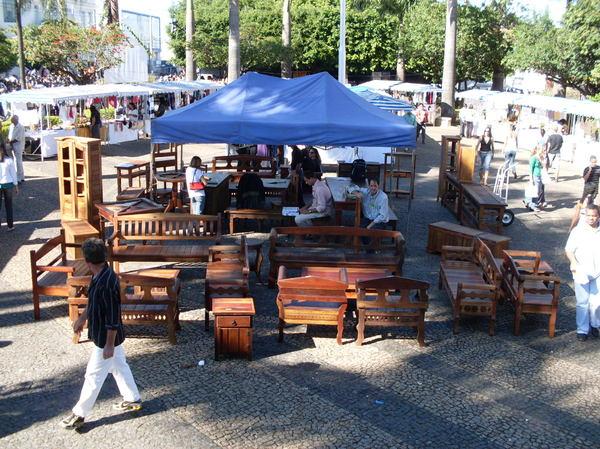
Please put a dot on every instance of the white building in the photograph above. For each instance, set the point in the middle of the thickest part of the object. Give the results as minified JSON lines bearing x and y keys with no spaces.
{"x":84,"y":12}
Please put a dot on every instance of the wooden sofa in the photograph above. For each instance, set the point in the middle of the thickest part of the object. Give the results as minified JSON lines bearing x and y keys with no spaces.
{"x":532,"y":292}
{"x":471,"y":278}
{"x":263,"y":166}
{"x":50,"y":269}
{"x":335,"y":246}
{"x":163,"y":237}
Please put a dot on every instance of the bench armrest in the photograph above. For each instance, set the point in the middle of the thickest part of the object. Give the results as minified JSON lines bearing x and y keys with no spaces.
{"x":450,"y":252}
{"x":486,"y":287}
{"x":56,"y":268}
{"x":115,"y":235}
{"x":79,"y":281}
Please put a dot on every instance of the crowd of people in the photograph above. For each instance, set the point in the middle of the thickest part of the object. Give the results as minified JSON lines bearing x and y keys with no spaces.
{"x":34,"y":79}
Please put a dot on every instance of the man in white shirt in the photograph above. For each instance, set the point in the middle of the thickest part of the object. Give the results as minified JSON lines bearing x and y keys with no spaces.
{"x":375,"y":206}
{"x":322,"y":203}
{"x":583,"y":251}
{"x":16,"y":137}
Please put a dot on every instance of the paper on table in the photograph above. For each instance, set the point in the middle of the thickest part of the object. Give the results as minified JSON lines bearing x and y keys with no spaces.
{"x":290,"y":211}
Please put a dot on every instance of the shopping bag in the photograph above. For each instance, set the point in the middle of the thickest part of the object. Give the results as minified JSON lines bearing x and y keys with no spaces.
{"x":545,"y":177}
{"x":531,"y":191}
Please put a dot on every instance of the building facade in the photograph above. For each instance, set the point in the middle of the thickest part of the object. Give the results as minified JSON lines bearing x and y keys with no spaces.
{"x":84,"y":12}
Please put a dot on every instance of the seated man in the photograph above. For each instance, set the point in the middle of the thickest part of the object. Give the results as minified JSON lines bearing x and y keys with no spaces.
{"x":375,"y":206}
{"x":322,"y":203}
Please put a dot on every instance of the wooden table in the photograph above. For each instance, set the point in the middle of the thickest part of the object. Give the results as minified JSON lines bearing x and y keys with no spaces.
{"x":109,"y":211}
{"x":341,"y":201}
{"x":174,"y":177}
{"x":274,"y":187}
{"x":233,"y":327}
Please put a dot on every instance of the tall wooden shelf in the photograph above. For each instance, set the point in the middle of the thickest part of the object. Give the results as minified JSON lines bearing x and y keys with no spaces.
{"x":80,"y":178}
{"x":457,"y":159}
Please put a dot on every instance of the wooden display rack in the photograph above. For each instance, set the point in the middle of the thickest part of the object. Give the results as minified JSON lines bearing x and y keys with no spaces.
{"x":400,"y":166}
{"x":79,"y":179}
{"x":455,"y":158}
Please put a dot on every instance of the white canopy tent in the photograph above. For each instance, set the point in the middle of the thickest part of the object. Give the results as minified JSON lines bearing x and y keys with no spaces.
{"x":416,"y":88}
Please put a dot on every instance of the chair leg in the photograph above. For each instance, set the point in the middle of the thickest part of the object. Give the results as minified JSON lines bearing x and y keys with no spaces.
{"x":280,"y":328}
{"x":36,"y":305}
{"x":340,"y":328}
{"x":440,"y":286}
{"x":171,"y":330}
{"x":517,"y":328}
{"x":421,"y":330}
{"x":492,"y":329}
{"x":360,"y":328}
{"x":206,"y":319}
{"x":552,"y":324}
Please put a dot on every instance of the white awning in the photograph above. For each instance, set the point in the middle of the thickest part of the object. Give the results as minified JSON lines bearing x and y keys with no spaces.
{"x":415,"y":87}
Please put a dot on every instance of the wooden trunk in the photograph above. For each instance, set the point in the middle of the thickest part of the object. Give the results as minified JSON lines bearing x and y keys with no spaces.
{"x":445,"y":233}
{"x":78,"y":232}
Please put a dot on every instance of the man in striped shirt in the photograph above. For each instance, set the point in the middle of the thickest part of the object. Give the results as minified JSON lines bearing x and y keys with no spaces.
{"x":105,"y":329}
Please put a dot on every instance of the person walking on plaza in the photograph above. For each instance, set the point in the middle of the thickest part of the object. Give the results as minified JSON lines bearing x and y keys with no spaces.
{"x":105,"y":329}
{"x":537,"y":199}
{"x":195,"y":181}
{"x":16,"y":137}
{"x":374,"y":205}
{"x":591,"y":178}
{"x":510,"y":149}
{"x":583,"y":252}
{"x":421,"y":117}
{"x":322,"y":202}
{"x":95,"y":122}
{"x":553,"y":148}
{"x":485,"y":151}
{"x":8,"y":183}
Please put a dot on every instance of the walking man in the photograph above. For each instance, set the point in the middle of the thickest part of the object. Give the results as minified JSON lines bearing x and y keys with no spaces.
{"x":105,"y":329}
{"x":421,"y":116}
{"x":583,"y":251}
{"x":591,"y":178}
{"x":554,"y":145}
{"x":16,"y":137}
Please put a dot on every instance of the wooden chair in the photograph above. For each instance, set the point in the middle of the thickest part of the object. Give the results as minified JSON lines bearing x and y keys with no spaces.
{"x":163,"y":159}
{"x":227,"y":275}
{"x":311,"y":300}
{"x":51,"y":269}
{"x":530,"y":293}
{"x":391,"y":301}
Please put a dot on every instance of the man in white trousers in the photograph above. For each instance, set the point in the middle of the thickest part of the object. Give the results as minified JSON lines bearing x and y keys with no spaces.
{"x":583,"y":251}
{"x":16,"y":137}
{"x":105,"y":329}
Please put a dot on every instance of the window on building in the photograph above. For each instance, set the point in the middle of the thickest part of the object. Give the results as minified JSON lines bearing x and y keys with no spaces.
{"x":8,"y":9}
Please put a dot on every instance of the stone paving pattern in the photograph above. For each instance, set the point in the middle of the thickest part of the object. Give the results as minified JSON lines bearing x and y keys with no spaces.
{"x":461,"y":391}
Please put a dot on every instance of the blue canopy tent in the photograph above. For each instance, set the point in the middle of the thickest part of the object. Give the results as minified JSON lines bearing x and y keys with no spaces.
{"x":312,"y":110}
{"x":382,"y":101}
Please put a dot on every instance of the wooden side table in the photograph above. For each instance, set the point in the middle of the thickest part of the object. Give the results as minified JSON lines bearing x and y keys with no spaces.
{"x":233,"y":327}
{"x":77,"y":232}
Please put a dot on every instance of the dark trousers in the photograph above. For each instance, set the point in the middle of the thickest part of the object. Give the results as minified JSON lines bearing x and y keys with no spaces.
{"x":591,"y":190}
{"x":364,"y":222}
{"x":421,"y":131}
{"x":6,"y":197}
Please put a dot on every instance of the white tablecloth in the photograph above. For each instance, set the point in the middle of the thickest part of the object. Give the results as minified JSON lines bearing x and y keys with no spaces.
{"x":48,"y":139}
{"x":348,"y":154}
{"x":118,"y":134}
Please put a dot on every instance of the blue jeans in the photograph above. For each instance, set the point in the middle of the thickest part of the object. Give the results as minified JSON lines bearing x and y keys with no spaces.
{"x":587,"y":310}
{"x":510,"y":158}
{"x":197,"y":204}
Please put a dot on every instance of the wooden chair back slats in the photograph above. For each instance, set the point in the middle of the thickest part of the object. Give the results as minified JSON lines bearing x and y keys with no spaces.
{"x":168,"y":227}
{"x":246,"y":163}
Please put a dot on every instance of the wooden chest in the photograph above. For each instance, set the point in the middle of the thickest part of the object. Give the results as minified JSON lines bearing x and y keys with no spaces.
{"x":233,"y":327}
{"x":445,"y":233}
{"x":78,"y":231}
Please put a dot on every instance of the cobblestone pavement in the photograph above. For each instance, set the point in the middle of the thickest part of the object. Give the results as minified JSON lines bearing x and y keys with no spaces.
{"x":463,"y":391}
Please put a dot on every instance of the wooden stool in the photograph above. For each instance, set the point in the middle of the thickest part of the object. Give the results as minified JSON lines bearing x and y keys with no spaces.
{"x":77,"y":232}
{"x":233,"y":327}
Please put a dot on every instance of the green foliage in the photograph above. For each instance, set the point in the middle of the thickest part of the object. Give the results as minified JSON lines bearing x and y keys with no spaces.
{"x":74,"y":51}
{"x":8,"y":56}
{"x":55,"y":120}
{"x":107,"y":113}
{"x":480,"y":43}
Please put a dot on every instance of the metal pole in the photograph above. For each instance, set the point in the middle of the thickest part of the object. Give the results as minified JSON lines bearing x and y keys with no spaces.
{"x":342,"y":49}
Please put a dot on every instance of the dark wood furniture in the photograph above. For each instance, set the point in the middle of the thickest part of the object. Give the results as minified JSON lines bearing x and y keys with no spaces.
{"x":217,"y":193}
{"x":237,"y":165}
{"x":397,"y":167}
{"x":77,"y":232}
{"x":471,"y":278}
{"x":163,"y":159}
{"x":175,"y":178}
{"x":336,"y":246}
{"x":344,"y":170}
{"x":79,"y":178}
{"x":50,"y":269}
{"x":109,"y":211}
{"x":255,"y":246}
{"x":266,"y":217}
{"x":392,"y":301}
{"x":148,"y":297}
{"x":274,"y":188}
{"x":138,"y":171}
{"x":233,"y":327}
{"x":530,"y":293}
{"x":456,"y":159}
{"x":444,"y":233}
{"x":310,"y":300}
{"x":163,"y":238}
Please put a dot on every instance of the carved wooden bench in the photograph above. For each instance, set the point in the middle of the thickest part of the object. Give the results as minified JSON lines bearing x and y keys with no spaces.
{"x":262,"y":216}
{"x":471,"y":279}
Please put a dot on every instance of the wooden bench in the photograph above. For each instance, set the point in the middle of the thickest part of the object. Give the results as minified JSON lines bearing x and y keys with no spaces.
{"x":336,"y":246}
{"x":392,"y":301}
{"x":163,"y":237}
{"x":530,"y":293}
{"x":50,"y":269}
{"x":310,"y":300}
{"x":263,"y":166}
{"x":267,"y":216}
{"x":148,"y":297}
{"x":444,"y":233}
{"x":471,"y":279}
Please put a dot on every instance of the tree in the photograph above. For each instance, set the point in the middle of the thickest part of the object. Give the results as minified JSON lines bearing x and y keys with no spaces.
{"x":111,"y":8}
{"x":449,"y":73}
{"x":74,"y":51}
{"x":234,"y":58}
{"x":190,"y":65}
{"x":20,"y":45}
{"x":8,"y":58}
{"x":286,"y":39}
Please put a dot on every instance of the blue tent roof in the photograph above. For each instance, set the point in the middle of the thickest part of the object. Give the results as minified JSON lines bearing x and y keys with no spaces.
{"x":382,"y":101}
{"x":312,"y":110}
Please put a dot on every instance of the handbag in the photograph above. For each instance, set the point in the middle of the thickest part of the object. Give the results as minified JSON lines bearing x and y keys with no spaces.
{"x":531,"y":191}
{"x":197,"y":185}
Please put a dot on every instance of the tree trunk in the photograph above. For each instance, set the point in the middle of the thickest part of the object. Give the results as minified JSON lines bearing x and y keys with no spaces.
{"x":400,"y":73}
{"x":190,"y":65}
{"x":18,"y":4}
{"x":112,"y":11}
{"x":449,"y":74}
{"x":233,"y":62}
{"x":286,"y":40}
{"x":498,"y":79}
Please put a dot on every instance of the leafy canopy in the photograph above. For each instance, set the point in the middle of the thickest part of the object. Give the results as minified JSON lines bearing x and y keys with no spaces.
{"x":8,"y":56}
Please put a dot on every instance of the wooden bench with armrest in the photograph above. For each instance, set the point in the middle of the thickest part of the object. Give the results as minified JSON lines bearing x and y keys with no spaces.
{"x":163,"y":237}
{"x":529,"y":293}
{"x":148,"y":297}
{"x":338,"y":246}
{"x":471,"y":278}
{"x":263,"y":166}
{"x":310,"y":300}
{"x":50,"y":269}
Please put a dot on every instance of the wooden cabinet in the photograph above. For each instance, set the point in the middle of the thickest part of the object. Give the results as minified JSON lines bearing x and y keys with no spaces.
{"x":456,"y":159}
{"x":80,"y":178}
{"x":233,"y":327}
{"x":400,"y":167}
